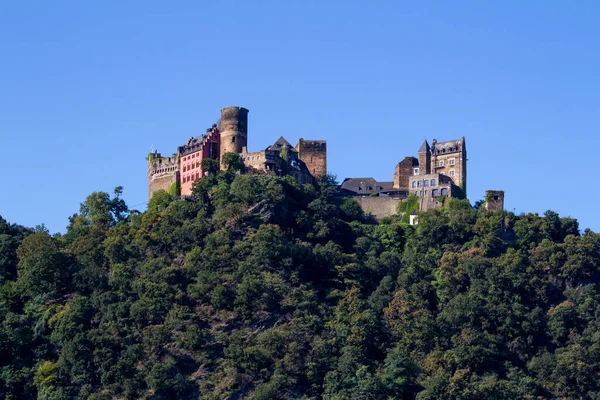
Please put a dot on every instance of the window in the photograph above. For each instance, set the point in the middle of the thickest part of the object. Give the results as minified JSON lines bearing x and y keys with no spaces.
{"x":369,"y":188}
{"x":417,"y":192}
{"x":415,"y":171}
{"x":233,"y":139}
{"x":197,"y":175}
{"x":444,"y":192}
{"x":426,"y":183}
{"x":435,"y":192}
{"x":357,"y":188}
{"x":414,"y":184}
{"x":193,"y":156}
{"x":451,"y":161}
{"x":419,"y":183}
{"x":421,"y":193}
{"x":426,"y":193}
{"x":433,"y":182}
{"x":451,"y":172}
{"x":441,"y":164}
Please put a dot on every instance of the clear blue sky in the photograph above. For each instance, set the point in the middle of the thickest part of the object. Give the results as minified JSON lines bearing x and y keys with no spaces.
{"x":87,"y":87}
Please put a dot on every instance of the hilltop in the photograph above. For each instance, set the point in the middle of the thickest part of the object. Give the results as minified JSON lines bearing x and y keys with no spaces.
{"x":257,"y":286}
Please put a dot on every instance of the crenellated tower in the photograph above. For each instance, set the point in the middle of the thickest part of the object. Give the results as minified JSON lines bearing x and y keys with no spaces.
{"x":163,"y":173}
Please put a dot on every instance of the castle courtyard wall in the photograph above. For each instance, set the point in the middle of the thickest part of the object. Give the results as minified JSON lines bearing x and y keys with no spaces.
{"x":379,"y":206}
{"x":161,"y":182}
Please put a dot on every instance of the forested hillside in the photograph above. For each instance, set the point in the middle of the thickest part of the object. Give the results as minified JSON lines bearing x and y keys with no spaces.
{"x":262,"y":288}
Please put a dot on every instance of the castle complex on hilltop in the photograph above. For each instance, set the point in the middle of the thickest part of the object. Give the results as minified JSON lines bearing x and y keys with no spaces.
{"x":439,"y":171}
{"x":305,"y":161}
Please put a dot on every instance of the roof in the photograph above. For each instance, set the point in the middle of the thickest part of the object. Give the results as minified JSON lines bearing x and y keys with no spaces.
{"x":424,"y":147}
{"x":451,"y":146}
{"x":195,"y":144}
{"x":280,"y":143}
{"x":364,"y":186}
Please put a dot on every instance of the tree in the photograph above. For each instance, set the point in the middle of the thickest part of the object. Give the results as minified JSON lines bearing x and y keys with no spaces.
{"x":232,"y":161}
{"x":43,"y":268}
{"x":210,"y":166}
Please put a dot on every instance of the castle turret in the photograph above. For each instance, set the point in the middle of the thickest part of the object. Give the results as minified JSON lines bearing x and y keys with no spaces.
{"x":425,"y":158}
{"x":234,"y":129}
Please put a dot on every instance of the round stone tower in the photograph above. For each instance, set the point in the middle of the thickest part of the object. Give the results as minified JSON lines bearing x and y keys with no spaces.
{"x":234,"y":129}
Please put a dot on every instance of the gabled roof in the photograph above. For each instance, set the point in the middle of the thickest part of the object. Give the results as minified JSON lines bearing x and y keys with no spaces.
{"x":195,"y":144}
{"x":424,"y":147}
{"x":280,"y":144}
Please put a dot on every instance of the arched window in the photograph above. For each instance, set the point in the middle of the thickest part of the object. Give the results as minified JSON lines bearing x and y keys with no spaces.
{"x":444,"y":192}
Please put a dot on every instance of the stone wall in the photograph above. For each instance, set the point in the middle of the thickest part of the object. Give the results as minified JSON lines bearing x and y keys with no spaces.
{"x":234,"y":130}
{"x":494,"y":200}
{"x":453,"y":164}
{"x":380,"y":206}
{"x":314,"y":155}
{"x":162,"y":172}
{"x":404,"y":171}
{"x":163,"y":181}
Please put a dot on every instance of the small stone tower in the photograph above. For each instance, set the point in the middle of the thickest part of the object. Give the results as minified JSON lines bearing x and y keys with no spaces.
{"x":494,"y":200}
{"x":425,"y":158}
{"x":314,"y":155}
{"x":233,"y":129}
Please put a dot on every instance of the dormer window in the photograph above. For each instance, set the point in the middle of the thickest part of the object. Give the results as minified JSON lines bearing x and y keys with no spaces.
{"x":415,"y":171}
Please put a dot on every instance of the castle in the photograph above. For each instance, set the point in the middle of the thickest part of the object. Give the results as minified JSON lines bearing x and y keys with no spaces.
{"x":439,"y":171}
{"x":305,"y":161}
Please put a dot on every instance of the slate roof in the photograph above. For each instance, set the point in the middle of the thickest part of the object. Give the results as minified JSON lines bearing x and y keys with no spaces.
{"x":279,"y":144}
{"x":451,"y":146}
{"x":364,"y":186}
{"x":424,"y":147}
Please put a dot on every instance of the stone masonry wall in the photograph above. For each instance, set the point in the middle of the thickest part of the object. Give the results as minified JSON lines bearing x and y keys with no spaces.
{"x":314,"y":155}
{"x":164,"y":182}
{"x":162,"y":172}
{"x":380,"y":206}
{"x":403,"y":172}
{"x":494,"y":200}
{"x":234,"y":130}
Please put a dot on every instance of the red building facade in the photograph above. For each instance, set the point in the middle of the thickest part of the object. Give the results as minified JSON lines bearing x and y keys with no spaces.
{"x":191,"y":155}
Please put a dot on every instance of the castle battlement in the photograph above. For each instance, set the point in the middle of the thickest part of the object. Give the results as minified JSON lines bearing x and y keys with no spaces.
{"x":158,"y":165}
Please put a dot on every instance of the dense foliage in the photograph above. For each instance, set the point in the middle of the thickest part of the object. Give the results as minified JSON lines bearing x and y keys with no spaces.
{"x":258,"y":287}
